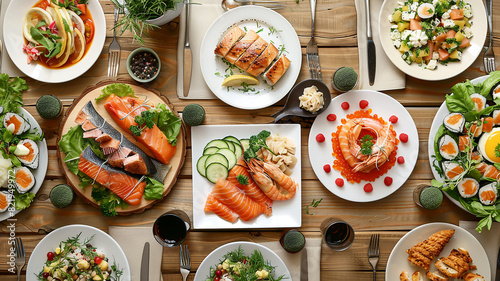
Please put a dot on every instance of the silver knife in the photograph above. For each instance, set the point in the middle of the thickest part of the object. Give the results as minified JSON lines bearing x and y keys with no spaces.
{"x":304,"y":269}
{"x":145,"y":263}
{"x":497,"y":277}
{"x":372,"y":60}
{"x":187,"y":54}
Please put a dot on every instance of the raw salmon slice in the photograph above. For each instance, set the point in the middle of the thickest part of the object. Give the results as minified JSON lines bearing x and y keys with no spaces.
{"x":214,"y":205}
{"x":251,"y":189}
{"x":233,"y":198}
{"x":153,"y":139}
{"x":124,"y":185}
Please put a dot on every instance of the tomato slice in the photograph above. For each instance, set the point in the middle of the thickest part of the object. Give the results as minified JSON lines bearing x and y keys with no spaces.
{"x":89,"y":30}
{"x":44,"y":4}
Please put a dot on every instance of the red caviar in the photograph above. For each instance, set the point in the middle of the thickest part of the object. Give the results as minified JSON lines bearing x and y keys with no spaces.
{"x":340,"y":164}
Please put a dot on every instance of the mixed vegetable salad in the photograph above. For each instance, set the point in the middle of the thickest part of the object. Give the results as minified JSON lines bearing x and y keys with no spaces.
{"x":18,"y":146}
{"x":467,"y":148}
{"x":77,"y":259}
{"x":429,"y":32}
{"x":236,"y":266}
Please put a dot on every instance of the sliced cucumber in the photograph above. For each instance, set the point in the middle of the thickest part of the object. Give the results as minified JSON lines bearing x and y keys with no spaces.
{"x":230,"y":145}
{"x":231,"y":158}
{"x":210,"y":150}
{"x":217,"y":158}
{"x":200,"y":165}
{"x":216,"y":171}
{"x":238,"y":151}
{"x":217,"y":143}
{"x":245,"y":143}
{"x":233,"y":139}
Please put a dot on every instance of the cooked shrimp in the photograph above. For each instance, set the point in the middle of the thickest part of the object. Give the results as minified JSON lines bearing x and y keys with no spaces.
{"x":273,"y":182}
{"x":351,"y":150}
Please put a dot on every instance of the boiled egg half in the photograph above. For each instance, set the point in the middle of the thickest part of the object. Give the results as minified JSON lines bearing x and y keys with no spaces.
{"x":426,"y":10}
{"x":488,"y":144}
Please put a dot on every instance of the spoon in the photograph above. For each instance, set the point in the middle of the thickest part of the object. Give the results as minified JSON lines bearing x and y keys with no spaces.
{"x":292,"y":107}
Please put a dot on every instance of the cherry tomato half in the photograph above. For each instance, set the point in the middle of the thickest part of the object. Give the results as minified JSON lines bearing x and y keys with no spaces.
{"x":89,"y":30}
{"x":97,"y":260}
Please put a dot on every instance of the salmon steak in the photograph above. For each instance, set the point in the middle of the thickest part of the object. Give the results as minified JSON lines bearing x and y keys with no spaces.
{"x":125,"y":185}
{"x":123,"y":110}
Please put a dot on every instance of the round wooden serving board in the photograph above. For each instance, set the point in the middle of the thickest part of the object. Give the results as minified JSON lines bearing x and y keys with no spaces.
{"x":90,"y":94}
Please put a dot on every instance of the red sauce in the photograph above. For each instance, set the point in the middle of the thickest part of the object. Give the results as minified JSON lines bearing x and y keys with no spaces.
{"x":42,"y":60}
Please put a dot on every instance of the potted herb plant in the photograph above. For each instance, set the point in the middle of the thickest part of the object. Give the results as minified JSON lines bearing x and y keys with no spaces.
{"x":140,"y":16}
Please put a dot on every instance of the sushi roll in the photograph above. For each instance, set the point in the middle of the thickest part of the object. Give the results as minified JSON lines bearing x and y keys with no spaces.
{"x":29,"y":159}
{"x":488,"y":194}
{"x":479,"y":102}
{"x":464,"y":142}
{"x":454,"y":122}
{"x":24,"y":179}
{"x":448,"y":147}
{"x":5,"y":200}
{"x":476,"y":157}
{"x":496,"y":117}
{"x":468,"y":187}
{"x":452,"y":170}
{"x":475,"y":129}
{"x":15,"y":123}
{"x":487,"y":124}
{"x":495,"y":91}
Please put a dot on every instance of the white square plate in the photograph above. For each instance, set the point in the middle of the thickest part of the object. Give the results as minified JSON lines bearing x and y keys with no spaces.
{"x":285,"y":213}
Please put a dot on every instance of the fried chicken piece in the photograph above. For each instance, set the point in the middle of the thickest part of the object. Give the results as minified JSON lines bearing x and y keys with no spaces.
{"x":404,"y":276}
{"x":417,"y":276}
{"x":436,"y":276}
{"x":473,"y":277}
{"x":456,"y":264}
{"x":424,"y":252}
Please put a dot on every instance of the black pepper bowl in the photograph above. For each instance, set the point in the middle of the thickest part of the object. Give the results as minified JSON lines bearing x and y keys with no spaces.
{"x":143,"y":65}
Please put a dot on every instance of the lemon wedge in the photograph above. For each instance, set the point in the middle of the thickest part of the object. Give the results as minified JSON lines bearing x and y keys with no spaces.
{"x":238,"y":80}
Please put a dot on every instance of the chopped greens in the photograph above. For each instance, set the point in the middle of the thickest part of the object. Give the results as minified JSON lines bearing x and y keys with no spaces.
{"x":366,"y":145}
{"x":313,"y":204}
{"x":242,"y":179}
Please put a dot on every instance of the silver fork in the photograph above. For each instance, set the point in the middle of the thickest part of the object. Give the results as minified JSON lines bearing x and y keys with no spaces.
{"x":489,"y":56}
{"x":185,"y":261}
{"x":20,"y":259}
{"x":374,"y":253}
{"x":230,"y":4}
{"x":312,"y":48}
{"x":114,"y":52}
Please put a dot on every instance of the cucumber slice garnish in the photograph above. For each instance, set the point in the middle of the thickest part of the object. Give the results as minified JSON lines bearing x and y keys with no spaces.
{"x":245,"y":143}
{"x":217,"y":158}
{"x":216,"y":171}
{"x":232,"y":139}
{"x":217,"y":143}
{"x":200,"y":165}
{"x":231,"y":158}
{"x":210,"y":150}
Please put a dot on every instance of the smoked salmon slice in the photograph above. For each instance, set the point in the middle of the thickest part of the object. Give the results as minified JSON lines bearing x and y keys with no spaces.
{"x":154,"y":139}
{"x":234,"y":199}
{"x":126,"y":186}
{"x":251,"y":189}
{"x":214,"y":205}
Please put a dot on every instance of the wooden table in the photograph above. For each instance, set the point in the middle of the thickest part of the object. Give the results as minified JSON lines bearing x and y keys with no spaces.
{"x":392,"y":217}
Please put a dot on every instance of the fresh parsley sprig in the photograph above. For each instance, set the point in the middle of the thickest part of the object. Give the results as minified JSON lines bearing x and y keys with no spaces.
{"x":242,"y":179}
{"x":313,"y":204}
{"x":366,"y":145}
{"x":145,"y":120}
{"x":256,"y":143}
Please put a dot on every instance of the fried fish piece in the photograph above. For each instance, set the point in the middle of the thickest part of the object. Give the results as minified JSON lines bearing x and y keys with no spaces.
{"x":473,"y":277}
{"x":436,"y":276}
{"x":424,"y":252}
{"x":456,"y":264}
{"x":404,"y":276}
{"x":417,"y":276}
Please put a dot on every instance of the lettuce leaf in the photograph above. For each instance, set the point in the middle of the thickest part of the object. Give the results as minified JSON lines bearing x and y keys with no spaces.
{"x":119,"y":89}
{"x":72,"y":144}
{"x":460,"y":101}
{"x":153,"y":189}
{"x":489,"y":83}
{"x":23,"y":201}
{"x":10,"y":93}
{"x":168,"y":123}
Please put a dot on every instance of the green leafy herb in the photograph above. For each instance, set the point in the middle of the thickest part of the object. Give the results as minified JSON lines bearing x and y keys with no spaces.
{"x":313,"y":204}
{"x":153,"y":189}
{"x":145,"y":120}
{"x":242,"y":179}
{"x":273,"y":30}
{"x":366,"y":145}
{"x":72,"y":144}
{"x":70,"y":4}
{"x":51,"y":45}
{"x":256,"y":143}
{"x":246,"y":88}
{"x":168,"y":123}
{"x":23,"y":200}
{"x":11,"y":89}
{"x":461,"y":101}
{"x":260,"y":30}
{"x":121,"y":90}
{"x":108,"y":201}
{"x":497,"y":150}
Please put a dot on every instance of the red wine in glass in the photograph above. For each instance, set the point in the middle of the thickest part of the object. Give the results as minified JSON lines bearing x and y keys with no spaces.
{"x":169,"y":230}
{"x":338,"y":234}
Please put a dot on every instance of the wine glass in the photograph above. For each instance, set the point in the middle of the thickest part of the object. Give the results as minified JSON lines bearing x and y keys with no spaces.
{"x":171,"y":228}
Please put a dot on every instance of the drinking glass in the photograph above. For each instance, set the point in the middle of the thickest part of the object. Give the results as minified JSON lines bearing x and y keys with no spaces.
{"x":337,"y":234}
{"x":171,"y":228}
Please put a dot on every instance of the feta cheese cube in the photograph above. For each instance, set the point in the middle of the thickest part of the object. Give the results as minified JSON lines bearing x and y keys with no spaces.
{"x":407,"y":15}
{"x":435,"y":55}
{"x":407,"y":58}
{"x":448,"y":23}
{"x":397,"y":43}
{"x":395,"y":35}
{"x":393,"y":27}
{"x":454,"y":7}
{"x":445,"y":15}
{"x":467,"y":32}
{"x":405,"y":34}
{"x":436,"y":22}
{"x":432,"y":64}
{"x":459,"y":55}
{"x":414,"y":6}
{"x":468,"y":11}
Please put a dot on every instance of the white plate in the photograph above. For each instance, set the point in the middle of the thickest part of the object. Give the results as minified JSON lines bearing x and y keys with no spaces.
{"x":436,"y":123}
{"x":285,"y":213}
{"x":43,"y":159}
{"x":101,"y":240}
{"x":398,"y":260}
{"x":320,"y":154}
{"x":216,"y":255}
{"x":249,"y":16}
{"x":14,"y":41}
{"x":479,"y":29}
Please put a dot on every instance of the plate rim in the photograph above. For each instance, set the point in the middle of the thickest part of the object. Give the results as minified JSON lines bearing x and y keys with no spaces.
{"x":257,"y":12}
{"x":318,"y":171}
{"x":430,"y":225}
{"x":89,"y":59}
{"x":235,"y":243}
{"x":239,"y":224}
{"x":480,"y":24}
{"x":80,"y":226}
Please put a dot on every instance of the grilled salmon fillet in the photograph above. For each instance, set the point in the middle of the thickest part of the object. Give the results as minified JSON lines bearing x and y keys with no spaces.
{"x":263,"y":61}
{"x":247,"y":58}
{"x":241,"y":46}
{"x":277,"y":69}
{"x":228,"y":41}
